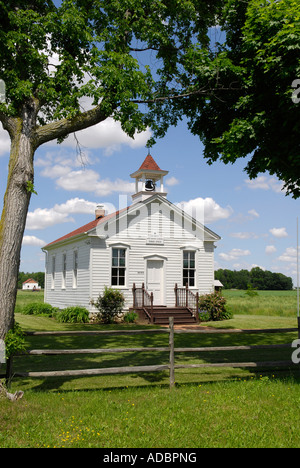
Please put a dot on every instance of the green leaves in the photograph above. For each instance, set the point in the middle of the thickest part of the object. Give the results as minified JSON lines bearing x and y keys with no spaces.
{"x":250,"y":111}
{"x":117,"y":54}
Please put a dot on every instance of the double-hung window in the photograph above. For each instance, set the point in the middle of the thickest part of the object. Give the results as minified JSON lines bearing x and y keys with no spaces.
{"x":118,"y":267}
{"x":189,"y":268}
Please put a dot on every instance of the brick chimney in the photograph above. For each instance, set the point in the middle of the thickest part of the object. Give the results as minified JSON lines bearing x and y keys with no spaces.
{"x":99,"y":212}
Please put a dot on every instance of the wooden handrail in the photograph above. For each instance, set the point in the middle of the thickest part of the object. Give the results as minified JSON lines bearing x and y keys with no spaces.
{"x":184,"y":297}
{"x":145,"y":300}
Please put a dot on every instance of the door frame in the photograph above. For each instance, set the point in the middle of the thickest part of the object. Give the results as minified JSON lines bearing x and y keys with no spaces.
{"x":163,"y":274}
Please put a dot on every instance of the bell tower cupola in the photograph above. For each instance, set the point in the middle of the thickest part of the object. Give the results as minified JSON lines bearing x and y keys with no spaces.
{"x":147,"y":178}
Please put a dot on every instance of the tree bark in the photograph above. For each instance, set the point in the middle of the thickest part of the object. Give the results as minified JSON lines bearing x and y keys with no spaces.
{"x":13,"y":219}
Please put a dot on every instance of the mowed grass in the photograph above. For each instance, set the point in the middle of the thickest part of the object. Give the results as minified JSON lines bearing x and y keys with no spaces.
{"x":251,"y":413}
{"x":209,"y":407}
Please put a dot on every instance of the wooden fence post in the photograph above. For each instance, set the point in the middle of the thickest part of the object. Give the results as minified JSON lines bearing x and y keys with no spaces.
{"x":8,"y":374}
{"x":171,"y":346}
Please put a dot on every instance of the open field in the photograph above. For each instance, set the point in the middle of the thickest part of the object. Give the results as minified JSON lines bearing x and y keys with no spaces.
{"x":27,"y":297}
{"x":210,"y":407}
{"x":274,"y":303}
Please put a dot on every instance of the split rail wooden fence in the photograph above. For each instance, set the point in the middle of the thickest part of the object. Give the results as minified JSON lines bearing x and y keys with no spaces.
{"x":168,"y":366}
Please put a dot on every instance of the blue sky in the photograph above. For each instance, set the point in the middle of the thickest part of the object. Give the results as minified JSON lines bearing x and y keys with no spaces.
{"x":256,"y":221}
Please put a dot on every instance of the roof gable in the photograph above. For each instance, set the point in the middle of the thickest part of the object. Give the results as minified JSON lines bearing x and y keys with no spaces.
{"x":132,"y":215}
{"x":30,"y":280}
{"x":117,"y":222}
{"x":83,"y":229}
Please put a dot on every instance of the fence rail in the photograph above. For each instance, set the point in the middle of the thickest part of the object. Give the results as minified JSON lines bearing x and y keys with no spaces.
{"x":170,"y":365}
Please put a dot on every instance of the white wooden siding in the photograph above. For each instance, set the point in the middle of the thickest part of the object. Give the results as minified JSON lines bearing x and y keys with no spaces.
{"x":68,"y":296}
{"x":156,"y":232}
{"x":175,"y":235}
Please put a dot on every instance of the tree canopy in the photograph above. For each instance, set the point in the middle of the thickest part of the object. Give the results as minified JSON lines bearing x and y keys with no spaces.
{"x":256,"y":278}
{"x":251,"y":112}
{"x":117,"y":54}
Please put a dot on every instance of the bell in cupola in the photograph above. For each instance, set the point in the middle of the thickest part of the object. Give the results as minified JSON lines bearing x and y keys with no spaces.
{"x":147,"y":179}
{"x":149,"y":185}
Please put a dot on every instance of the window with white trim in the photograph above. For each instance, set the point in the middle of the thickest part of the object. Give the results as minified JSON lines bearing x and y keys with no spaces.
{"x":118,"y":267}
{"x":189,"y":268}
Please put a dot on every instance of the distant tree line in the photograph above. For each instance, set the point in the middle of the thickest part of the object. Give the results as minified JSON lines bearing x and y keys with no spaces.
{"x":255,"y":278}
{"x":38,"y":276}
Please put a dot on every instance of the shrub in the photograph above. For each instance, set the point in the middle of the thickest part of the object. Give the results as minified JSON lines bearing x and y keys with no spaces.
{"x":75,"y":314}
{"x":130,"y":317}
{"x":110,"y":304}
{"x":14,"y":341}
{"x":251,"y":291}
{"x":39,"y":308}
{"x":204,"y":316}
{"x":214,"y":306}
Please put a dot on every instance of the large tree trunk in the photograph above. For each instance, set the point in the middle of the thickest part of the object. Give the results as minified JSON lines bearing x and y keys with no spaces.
{"x":13,"y":219}
{"x":26,"y":137}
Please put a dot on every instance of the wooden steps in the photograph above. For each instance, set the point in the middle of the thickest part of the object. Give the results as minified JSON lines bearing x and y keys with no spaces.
{"x":161,"y":314}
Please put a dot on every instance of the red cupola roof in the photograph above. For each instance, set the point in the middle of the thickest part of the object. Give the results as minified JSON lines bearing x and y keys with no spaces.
{"x":149,"y":164}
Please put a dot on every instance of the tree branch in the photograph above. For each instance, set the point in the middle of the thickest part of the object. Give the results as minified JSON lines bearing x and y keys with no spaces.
{"x":9,"y":123}
{"x":64,"y":127}
{"x":206,"y":91}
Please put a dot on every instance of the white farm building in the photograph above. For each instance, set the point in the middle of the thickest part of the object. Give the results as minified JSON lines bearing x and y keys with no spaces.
{"x":160,"y":257}
{"x":30,"y":284}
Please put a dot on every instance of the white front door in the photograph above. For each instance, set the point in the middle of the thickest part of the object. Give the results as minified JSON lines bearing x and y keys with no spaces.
{"x":155,"y":280}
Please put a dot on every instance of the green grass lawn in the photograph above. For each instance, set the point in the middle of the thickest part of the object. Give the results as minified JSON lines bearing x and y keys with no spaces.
{"x":246,"y":413}
{"x":210,"y":407}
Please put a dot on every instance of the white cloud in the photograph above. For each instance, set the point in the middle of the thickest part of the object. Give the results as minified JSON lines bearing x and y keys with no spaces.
{"x":107,"y":135}
{"x":32,"y":240}
{"x":205,"y":210}
{"x":88,"y":180}
{"x":270,"y":249}
{"x":265,"y":183}
{"x":290,"y":255}
{"x":55,"y":171}
{"x":279,"y":232}
{"x":75,"y":205}
{"x":67,"y":175}
{"x":244,"y":235}
{"x":172,"y":181}
{"x":234,"y":254}
{"x":253,"y":213}
{"x":42,"y":218}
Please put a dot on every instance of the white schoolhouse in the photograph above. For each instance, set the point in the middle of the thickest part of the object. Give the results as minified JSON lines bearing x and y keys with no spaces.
{"x":159,"y":256}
